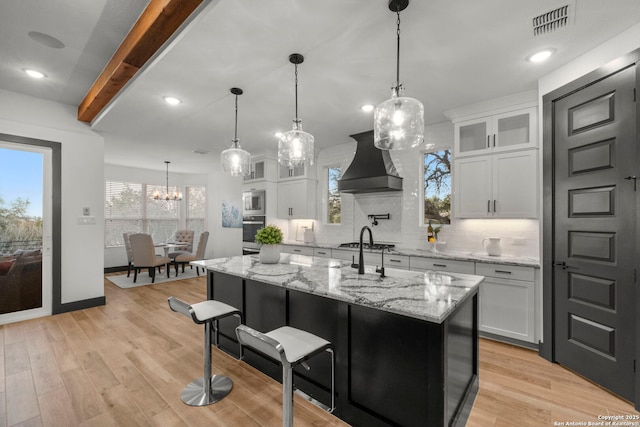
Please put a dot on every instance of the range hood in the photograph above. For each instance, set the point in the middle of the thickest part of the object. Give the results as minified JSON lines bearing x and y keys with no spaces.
{"x":371,"y":171}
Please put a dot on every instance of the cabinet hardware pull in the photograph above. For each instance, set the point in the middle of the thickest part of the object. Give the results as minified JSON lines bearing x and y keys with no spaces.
{"x":494,"y":139}
{"x":488,"y":143}
{"x":494,"y":205}
{"x":322,"y":253}
{"x":503,"y":271}
{"x":395,"y":260}
{"x":296,"y":250}
{"x":488,"y":206}
{"x":440,"y":265}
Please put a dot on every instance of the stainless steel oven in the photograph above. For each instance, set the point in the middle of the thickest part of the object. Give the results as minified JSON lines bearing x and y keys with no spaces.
{"x":253,"y":203}
{"x":250,"y":226}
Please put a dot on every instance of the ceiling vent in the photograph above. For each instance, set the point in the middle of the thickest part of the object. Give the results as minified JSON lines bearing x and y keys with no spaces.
{"x":552,"y":20}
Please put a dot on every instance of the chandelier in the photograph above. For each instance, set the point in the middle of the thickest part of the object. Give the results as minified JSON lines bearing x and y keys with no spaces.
{"x":157,"y":194}
{"x":295,"y":147}
{"x":398,"y":123}
{"x":234,"y":160}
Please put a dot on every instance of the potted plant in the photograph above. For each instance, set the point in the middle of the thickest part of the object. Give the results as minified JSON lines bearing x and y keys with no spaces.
{"x":270,"y":240}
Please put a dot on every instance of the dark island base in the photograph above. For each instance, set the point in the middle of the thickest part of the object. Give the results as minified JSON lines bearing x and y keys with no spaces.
{"x":390,"y":369}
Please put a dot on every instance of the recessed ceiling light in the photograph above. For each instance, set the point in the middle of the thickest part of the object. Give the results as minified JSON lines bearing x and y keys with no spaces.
{"x":541,"y":55}
{"x":367,"y":108}
{"x":278,"y":134}
{"x":171,"y":100}
{"x":34,"y":73}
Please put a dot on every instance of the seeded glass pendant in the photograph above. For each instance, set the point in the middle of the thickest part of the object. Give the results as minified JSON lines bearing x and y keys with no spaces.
{"x":234,"y":160}
{"x":398,"y":123}
{"x":295,"y":147}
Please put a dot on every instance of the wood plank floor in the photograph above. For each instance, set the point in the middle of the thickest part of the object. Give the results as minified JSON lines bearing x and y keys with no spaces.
{"x":125,"y":363}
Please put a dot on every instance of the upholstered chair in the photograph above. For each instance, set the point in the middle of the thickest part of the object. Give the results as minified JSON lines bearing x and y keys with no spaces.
{"x":183,"y":236}
{"x":144,"y":256}
{"x":127,"y":247}
{"x":198,"y":255}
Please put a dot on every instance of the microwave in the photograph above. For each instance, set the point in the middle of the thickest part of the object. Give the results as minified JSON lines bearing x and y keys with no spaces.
{"x":253,"y":203}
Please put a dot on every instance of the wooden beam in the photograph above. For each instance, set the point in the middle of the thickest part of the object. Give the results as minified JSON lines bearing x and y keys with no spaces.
{"x":156,"y":25}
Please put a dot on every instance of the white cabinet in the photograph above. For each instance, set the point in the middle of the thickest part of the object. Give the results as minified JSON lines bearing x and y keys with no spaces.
{"x":436,"y":264}
{"x":322,"y":252}
{"x":513,"y":130}
{"x":500,"y":185}
{"x":293,"y":172}
{"x":257,"y":171}
{"x":263,"y":168}
{"x":297,"y":199}
{"x":507,"y":301}
{"x":298,"y":250}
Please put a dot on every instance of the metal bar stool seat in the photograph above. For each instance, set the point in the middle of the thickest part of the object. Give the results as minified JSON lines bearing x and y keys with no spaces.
{"x":290,"y":347}
{"x":210,"y":388}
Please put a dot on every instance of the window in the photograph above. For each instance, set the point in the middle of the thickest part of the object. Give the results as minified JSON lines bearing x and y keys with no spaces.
{"x":437,"y":187}
{"x":196,"y":210}
{"x":130,"y":207}
{"x":334,"y":209}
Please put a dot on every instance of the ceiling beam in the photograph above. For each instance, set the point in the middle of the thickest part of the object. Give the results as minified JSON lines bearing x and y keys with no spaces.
{"x":156,"y":25}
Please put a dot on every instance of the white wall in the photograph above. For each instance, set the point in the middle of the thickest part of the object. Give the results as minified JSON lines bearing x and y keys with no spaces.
{"x":82,"y":185}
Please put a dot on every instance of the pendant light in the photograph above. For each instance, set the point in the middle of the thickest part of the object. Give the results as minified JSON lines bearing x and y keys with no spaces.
{"x":157,"y":195}
{"x":234,"y":160}
{"x":398,"y":123}
{"x":295,"y":147}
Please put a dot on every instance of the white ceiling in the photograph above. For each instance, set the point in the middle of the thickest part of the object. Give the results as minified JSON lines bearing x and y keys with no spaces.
{"x":453,"y":53}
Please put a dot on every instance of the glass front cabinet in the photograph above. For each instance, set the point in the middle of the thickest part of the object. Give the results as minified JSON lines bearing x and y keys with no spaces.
{"x":514,"y":130}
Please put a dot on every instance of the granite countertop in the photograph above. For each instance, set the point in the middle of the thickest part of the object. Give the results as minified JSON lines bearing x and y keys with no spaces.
{"x":429,"y":296}
{"x":449,"y":255}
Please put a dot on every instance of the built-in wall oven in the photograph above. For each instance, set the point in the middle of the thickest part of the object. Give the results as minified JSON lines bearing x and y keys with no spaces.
{"x":253,"y":203}
{"x":250,"y":226}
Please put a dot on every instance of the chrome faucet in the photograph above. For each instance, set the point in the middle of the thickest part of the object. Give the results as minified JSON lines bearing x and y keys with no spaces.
{"x":361,"y":258}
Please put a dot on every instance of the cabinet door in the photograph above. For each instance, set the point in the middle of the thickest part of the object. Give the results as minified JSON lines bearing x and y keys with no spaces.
{"x":284,"y":199}
{"x":294,"y":172}
{"x":472,"y":137}
{"x":507,"y":308}
{"x":515,"y":191}
{"x":514,"y":130}
{"x":297,"y":250}
{"x":472,"y":187}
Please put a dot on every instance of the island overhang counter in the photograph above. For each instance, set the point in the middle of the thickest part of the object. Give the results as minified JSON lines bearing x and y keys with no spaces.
{"x":406,"y":345}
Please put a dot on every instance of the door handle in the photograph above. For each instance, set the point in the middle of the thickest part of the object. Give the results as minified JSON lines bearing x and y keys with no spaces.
{"x":634,"y":178}
{"x":563,"y":265}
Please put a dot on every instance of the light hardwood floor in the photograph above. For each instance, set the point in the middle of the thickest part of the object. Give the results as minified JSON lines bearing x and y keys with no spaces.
{"x":125,"y":364}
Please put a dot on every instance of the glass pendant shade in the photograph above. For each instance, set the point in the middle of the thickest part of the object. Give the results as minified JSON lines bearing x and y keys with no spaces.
{"x":235,"y":161}
{"x":295,"y":147}
{"x":398,"y":122}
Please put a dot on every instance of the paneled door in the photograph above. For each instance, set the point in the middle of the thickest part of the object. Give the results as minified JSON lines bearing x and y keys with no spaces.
{"x":594,"y":271}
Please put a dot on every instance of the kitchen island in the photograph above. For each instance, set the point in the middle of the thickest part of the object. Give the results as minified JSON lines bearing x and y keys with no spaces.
{"x":406,"y":345}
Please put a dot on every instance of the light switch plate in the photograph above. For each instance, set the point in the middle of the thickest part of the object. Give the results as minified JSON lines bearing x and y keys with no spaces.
{"x":86,"y":220}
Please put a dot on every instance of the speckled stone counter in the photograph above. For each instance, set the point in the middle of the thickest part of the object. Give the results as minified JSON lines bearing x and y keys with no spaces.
{"x":406,"y":345}
{"x":428,"y":296}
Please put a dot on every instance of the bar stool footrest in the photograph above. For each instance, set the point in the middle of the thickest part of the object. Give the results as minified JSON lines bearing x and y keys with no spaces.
{"x":194,"y":393}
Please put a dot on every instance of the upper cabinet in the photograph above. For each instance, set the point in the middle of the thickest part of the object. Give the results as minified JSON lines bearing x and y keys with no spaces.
{"x":295,"y":172}
{"x":263,"y":168}
{"x":512,"y":130}
{"x":297,"y":199}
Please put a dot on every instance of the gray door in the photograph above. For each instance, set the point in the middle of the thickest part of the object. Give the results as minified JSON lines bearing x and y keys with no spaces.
{"x":594,"y":134}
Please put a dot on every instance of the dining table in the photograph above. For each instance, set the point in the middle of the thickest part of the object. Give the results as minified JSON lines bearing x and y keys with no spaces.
{"x":170,"y":245}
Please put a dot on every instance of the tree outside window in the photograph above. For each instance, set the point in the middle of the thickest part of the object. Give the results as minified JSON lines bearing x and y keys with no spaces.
{"x":437,"y":187}
{"x":334,"y":208}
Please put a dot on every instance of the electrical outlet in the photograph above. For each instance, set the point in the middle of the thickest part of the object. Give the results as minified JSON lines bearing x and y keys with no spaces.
{"x":518,"y":241}
{"x":86,"y":220}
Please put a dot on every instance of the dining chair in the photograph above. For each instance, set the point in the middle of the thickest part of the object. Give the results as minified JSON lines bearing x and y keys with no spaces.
{"x":198,"y":255}
{"x":144,"y":256}
{"x":127,"y":246}
{"x":183,"y":236}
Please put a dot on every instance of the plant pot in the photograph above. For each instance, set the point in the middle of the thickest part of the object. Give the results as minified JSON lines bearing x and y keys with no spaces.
{"x":270,"y":254}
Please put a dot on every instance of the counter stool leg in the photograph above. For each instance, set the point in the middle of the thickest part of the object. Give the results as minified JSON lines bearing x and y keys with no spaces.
{"x":287,"y":396}
{"x":208,"y":389}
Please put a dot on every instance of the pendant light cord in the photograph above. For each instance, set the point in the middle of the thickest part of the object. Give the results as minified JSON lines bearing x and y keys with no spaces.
{"x":235,"y":138}
{"x":296,"y":75}
{"x":397,"y":88}
{"x":167,"y":178}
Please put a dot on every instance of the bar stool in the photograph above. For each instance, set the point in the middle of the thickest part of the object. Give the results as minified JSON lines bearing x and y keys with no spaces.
{"x":210,"y":388}
{"x":290,"y":347}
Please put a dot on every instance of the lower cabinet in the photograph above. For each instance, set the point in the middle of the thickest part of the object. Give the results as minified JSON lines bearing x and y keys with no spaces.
{"x":297,"y":250}
{"x":452,"y":266}
{"x":507,"y":301}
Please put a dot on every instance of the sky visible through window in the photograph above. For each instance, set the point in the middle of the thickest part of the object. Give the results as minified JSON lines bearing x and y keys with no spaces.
{"x":21,"y":176}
